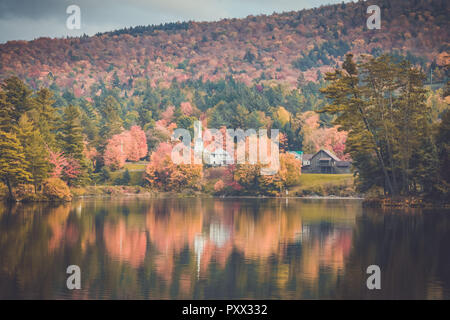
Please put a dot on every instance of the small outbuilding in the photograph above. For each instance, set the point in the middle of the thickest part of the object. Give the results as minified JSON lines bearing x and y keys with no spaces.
{"x":324,"y":161}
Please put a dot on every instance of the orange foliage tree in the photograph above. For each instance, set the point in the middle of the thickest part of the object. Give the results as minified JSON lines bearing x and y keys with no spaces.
{"x":163,"y":174}
{"x":251,"y":180}
{"x":129,"y":145}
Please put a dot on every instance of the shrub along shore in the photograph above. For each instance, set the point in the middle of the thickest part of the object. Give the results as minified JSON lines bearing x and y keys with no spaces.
{"x":309,"y":185}
{"x":340,"y":186}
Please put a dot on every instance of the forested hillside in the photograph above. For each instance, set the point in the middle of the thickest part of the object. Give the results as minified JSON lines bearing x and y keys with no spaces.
{"x":82,"y":109}
{"x":279,"y":47}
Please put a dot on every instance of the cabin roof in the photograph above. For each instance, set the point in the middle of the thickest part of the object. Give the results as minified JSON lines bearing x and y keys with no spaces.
{"x":330,"y":154}
{"x":343,"y":163}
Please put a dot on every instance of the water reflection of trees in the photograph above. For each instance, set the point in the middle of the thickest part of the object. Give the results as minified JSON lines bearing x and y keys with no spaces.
{"x":176,"y":248}
{"x":410,"y":248}
{"x":28,"y":235}
{"x":220,"y":248}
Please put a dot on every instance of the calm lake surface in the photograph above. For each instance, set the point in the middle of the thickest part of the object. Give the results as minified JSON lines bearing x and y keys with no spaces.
{"x":135,"y":248}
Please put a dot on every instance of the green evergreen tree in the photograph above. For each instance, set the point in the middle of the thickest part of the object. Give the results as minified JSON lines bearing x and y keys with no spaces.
{"x":441,"y":188}
{"x":354,"y":115}
{"x":6,"y":109}
{"x":35,"y":151}
{"x":126,"y":177}
{"x":45,"y":117}
{"x":381,"y":103}
{"x":71,"y":133}
{"x":13,"y":165}
{"x":15,"y":100}
{"x":112,"y":123}
{"x":70,"y":138}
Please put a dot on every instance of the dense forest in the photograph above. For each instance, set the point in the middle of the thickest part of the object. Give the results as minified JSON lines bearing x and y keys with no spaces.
{"x":74,"y":112}
{"x":275,"y":48}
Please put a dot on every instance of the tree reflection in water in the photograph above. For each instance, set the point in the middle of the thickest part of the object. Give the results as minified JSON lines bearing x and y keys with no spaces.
{"x":221,"y":248}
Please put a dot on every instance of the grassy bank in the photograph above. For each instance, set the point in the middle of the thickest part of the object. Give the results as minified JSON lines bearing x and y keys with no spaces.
{"x":340,"y":185}
{"x":136,"y":173}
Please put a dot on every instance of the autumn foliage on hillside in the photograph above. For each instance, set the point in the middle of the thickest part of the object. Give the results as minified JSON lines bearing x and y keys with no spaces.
{"x":279,"y":47}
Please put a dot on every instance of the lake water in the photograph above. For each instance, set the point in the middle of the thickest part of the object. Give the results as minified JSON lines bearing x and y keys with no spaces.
{"x":135,"y":248}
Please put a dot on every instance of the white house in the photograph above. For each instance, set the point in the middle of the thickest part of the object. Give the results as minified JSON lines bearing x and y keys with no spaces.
{"x":218,"y":157}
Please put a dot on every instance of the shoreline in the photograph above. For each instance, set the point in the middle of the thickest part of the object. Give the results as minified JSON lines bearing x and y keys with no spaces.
{"x":205,"y":195}
{"x":405,"y":202}
{"x":115,"y":192}
{"x":175,"y":195}
{"x":366,"y":202}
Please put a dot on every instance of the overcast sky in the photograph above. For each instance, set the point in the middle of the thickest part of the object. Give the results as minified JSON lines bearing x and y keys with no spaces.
{"x":30,"y":19}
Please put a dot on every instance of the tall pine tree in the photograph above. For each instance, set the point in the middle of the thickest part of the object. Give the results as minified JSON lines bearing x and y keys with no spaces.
{"x":71,"y":141}
{"x":16,"y":101}
{"x":35,"y":151}
{"x":381,"y":103}
{"x":13,"y":164}
{"x":44,"y":116}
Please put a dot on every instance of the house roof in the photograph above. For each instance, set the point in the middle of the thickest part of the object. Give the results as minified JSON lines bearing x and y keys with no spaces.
{"x":329,"y":153}
{"x":309,"y":156}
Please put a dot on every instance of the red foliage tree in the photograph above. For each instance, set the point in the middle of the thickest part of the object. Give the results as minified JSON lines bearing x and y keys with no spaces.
{"x":64,"y":167}
{"x":137,"y":148}
{"x":316,"y":137}
{"x":129,"y":145}
{"x":58,"y":161}
{"x":115,"y":154}
{"x":71,"y":169}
